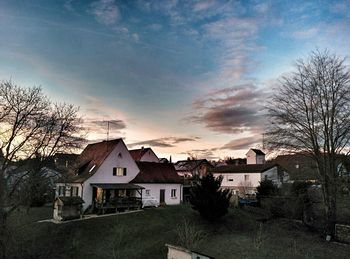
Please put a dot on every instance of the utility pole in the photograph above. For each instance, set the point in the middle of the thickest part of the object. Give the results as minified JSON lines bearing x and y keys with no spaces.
{"x":107,"y":130}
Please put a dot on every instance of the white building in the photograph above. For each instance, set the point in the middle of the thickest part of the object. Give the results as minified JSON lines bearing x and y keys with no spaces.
{"x":255,"y":156}
{"x":243,"y":179}
{"x":107,"y":174}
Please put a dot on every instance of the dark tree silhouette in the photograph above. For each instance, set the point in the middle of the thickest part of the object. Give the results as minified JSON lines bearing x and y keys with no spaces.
{"x":266,"y":188}
{"x":310,"y":114}
{"x":208,"y":199}
{"x":31,"y":127}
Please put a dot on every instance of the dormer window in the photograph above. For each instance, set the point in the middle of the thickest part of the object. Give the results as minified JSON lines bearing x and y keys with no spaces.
{"x":119,"y":171}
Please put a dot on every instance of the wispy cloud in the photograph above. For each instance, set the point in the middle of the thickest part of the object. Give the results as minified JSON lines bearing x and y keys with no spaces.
{"x":306,"y":33}
{"x":164,"y":142}
{"x":105,"y":11}
{"x":243,"y":143}
{"x":231,"y":110}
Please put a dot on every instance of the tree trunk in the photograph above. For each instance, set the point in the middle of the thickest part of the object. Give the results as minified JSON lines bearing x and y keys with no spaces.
{"x":330,"y":203}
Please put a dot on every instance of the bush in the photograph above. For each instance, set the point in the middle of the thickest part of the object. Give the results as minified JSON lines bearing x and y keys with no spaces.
{"x":266,"y":188}
{"x":208,"y":199}
{"x":300,"y":188}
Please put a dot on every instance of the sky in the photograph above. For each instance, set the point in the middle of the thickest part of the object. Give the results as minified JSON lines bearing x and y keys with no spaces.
{"x":183,"y":77}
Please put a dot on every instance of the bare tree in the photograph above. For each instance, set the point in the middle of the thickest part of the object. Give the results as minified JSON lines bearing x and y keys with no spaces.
{"x":310,"y":113}
{"x":31,"y":127}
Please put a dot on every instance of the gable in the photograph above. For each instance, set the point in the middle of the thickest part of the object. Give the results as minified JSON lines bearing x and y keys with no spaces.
{"x":118,"y":158}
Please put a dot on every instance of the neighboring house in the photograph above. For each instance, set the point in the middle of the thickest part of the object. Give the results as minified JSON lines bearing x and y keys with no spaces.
{"x":255,"y":156}
{"x":243,"y":179}
{"x":192,"y":168}
{"x":144,"y":155}
{"x":303,"y":168}
{"x":106,"y":172}
{"x":161,"y":181}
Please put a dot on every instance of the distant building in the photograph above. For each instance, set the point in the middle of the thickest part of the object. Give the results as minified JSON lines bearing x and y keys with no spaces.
{"x":255,"y":157}
{"x":303,"y":168}
{"x":192,"y":168}
{"x":144,"y":155}
{"x":243,"y":179}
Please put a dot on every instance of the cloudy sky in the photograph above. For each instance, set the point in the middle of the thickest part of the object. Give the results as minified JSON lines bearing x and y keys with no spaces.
{"x":179,"y":76}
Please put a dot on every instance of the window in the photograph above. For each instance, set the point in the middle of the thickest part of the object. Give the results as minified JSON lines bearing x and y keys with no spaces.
{"x":230,"y":179}
{"x":74,"y":191}
{"x":265,"y":177}
{"x":119,"y":171}
{"x":246,"y":177}
{"x":61,"y":190}
{"x":148,"y":192}
{"x":173,"y":193}
{"x":120,"y":155}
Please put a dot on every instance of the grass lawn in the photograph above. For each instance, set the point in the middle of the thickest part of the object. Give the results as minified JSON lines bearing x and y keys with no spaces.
{"x":144,"y":235}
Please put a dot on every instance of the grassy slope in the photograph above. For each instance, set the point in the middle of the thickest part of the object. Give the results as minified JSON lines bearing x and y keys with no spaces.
{"x":144,"y":234}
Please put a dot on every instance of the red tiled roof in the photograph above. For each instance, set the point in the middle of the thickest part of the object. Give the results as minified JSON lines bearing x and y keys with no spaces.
{"x":137,"y":154}
{"x":152,"y":172}
{"x":255,"y":168}
{"x":92,"y":157}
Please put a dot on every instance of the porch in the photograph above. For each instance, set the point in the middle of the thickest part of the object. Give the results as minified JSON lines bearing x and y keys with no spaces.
{"x":116,"y":197}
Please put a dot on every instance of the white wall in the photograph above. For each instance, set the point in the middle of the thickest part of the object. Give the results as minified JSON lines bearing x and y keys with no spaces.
{"x":149,"y":156}
{"x":104,"y":173}
{"x":272,"y":174}
{"x":253,"y":158}
{"x":238,"y":179}
{"x":155,"y":191}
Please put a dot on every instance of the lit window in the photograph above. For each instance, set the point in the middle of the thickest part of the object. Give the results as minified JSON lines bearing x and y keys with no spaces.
{"x":119,"y":171}
{"x":173,"y":193}
{"x":74,"y":191}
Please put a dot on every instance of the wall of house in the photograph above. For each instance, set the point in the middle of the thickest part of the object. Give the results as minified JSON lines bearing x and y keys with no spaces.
{"x":155,"y":191}
{"x":104,"y":173}
{"x":238,"y":179}
{"x":68,"y":188}
{"x":276,"y":177}
{"x":253,"y":158}
{"x":149,"y":156}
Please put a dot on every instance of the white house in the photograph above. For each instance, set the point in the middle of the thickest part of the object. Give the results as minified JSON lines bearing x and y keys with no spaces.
{"x":243,"y":179}
{"x":107,"y":174}
{"x":255,"y":156}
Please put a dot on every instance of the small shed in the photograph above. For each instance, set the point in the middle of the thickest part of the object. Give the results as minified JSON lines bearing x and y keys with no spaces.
{"x":66,"y":208}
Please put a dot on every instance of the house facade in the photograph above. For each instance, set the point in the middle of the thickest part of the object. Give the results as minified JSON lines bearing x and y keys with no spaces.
{"x":243,"y":179}
{"x":107,"y":171}
{"x":255,"y":156}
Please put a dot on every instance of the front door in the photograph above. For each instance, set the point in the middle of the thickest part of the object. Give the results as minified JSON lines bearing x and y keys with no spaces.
{"x":162,"y":196}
